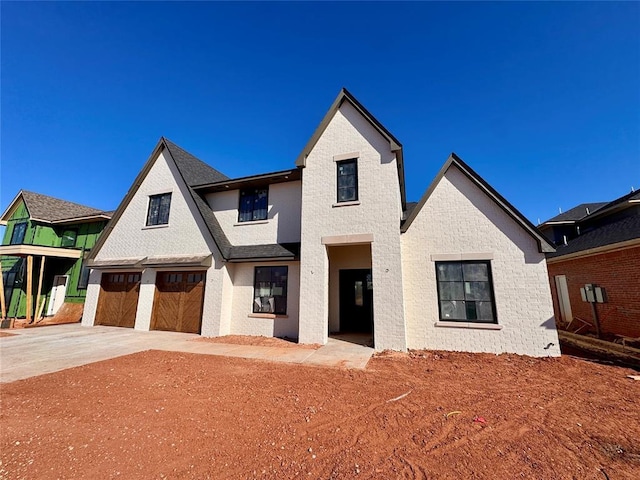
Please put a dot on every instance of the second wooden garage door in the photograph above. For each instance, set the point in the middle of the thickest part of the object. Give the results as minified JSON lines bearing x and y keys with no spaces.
{"x":118,"y":301}
{"x":178,"y":302}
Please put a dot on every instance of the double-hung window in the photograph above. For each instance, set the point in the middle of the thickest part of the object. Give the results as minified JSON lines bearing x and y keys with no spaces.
{"x":159,"y":206}
{"x":270,"y":290}
{"x":253,"y":204}
{"x":465,"y":291}
{"x":17,"y":236}
{"x":347,"y":180}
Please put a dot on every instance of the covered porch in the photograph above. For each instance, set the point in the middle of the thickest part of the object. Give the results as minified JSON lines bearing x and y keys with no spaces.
{"x":351,"y":299}
{"x":34,"y":274}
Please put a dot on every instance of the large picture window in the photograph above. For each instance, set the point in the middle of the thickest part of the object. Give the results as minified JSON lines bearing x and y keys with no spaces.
{"x":347,"y":181}
{"x":253,"y":204}
{"x":159,"y":206}
{"x":17,"y":236}
{"x":465,"y":291}
{"x":270,"y":290}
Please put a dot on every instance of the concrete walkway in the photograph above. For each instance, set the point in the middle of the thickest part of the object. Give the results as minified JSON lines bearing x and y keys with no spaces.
{"x":35,"y":351}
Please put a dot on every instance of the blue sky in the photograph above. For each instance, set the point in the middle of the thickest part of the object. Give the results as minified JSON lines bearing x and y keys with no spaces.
{"x":541,"y":99}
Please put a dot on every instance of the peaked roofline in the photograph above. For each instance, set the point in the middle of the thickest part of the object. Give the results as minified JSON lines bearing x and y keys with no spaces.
{"x":544,"y":246}
{"x":227,"y":251}
{"x":395,"y":145}
{"x":97,"y":215}
{"x":163,"y":145}
{"x":127,"y":199}
{"x":11,"y":208}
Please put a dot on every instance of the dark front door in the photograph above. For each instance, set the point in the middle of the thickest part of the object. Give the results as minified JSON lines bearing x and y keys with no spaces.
{"x":356,"y":301}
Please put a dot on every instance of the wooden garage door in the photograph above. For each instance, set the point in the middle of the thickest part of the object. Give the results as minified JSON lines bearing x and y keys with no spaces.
{"x":178,"y":302}
{"x":118,"y":300}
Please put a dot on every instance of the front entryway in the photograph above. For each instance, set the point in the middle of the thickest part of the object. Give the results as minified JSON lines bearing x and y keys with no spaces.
{"x":58,"y":292}
{"x":178,"y":301}
{"x":118,"y":301}
{"x":356,"y":301}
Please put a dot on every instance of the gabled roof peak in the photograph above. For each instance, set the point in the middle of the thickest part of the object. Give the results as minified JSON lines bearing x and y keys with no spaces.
{"x":510,"y":210}
{"x":394,"y":144}
{"x":47,"y":209}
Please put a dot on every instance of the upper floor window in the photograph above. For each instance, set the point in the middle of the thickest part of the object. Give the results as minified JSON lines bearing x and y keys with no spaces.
{"x":68,"y":238}
{"x":465,"y":291}
{"x":17,"y":236}
{"x":158,"y":213}
{"x":347,"y":180}
{"x":253,"y":204}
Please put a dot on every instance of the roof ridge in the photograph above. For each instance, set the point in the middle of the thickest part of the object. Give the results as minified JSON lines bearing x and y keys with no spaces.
{"x":194,"y":170}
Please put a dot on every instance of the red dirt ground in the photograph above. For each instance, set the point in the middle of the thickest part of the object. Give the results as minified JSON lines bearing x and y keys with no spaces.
{"x":175,"y":415}
{"x":257,"y":340}
{"x":6,"y":334}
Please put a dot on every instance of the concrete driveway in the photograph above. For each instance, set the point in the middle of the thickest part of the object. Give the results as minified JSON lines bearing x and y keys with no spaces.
{"x":36,"y":351}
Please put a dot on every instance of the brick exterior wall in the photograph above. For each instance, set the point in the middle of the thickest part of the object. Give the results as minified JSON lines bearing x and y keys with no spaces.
{"x":618,"y":273}
{"x":378,"y":213}
{"x":460,"y":219}
{"x":283,"y":217}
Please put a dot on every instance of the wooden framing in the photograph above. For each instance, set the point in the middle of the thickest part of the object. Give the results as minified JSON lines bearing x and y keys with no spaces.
{"x":3,"y":307}
{"x":29,"y":287}
{"x":39,"y":304}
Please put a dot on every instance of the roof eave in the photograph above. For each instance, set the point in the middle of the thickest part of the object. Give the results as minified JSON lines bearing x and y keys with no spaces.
{"x":4,"y":219}
{"x":544,"y":246}
{"x":394,"y":144}
{"x":291,"y":175}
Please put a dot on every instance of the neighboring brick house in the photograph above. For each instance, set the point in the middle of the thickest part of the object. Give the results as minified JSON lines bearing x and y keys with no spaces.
{"x":43,"y":231}
{"x":599,"y":244}
{"x":328,"y":246}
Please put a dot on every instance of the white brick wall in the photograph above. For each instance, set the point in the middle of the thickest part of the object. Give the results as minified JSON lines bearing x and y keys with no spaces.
{"x":283,"y":217}
{"x":242,"y":323}
{"x":183,"y":236}
{"x":459,"y":218}
{"x":91,"y":300}
{"x":378,"y":213}
{"x":186,"y":234}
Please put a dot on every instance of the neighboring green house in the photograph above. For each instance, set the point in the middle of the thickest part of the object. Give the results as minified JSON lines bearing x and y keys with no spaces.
{"x":49,"y":235}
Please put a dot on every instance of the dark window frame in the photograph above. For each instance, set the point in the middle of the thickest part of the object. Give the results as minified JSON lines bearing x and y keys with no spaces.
{"x":279,"y":306}
{"x":474,"y":309}
{"x":340,"y":163}
{"x":75,"y":237}
{"x":158,"y":215}
{"x":83,"y":277}
{"x":251,"y":206}
{"x":23,"y":233}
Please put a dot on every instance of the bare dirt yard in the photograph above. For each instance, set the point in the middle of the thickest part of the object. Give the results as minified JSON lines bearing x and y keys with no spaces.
{"x":175,"y":415}
{"x":259,"y":341}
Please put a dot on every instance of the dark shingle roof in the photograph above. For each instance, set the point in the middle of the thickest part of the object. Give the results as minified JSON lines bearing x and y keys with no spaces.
{"x":193,"y":170}
{"x":246,"y":252}
{"x":50,"y":209}
{"x":577,"y":213}
{"x":408,"y":210}
{"x":626,"y":229}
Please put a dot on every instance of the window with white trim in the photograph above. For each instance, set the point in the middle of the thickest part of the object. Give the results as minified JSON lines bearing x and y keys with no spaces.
{"x":159,"y":206}
{"x":465,"y":291}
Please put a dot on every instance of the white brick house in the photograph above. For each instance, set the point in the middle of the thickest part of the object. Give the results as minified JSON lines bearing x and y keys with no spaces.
{"x":328,"y":246}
